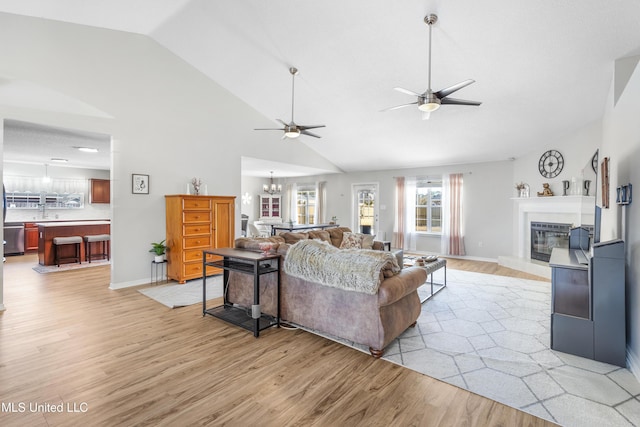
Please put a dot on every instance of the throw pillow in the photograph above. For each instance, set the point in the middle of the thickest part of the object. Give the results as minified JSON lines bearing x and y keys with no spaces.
{"x":336,"y":235}
{"x":367,"y":240}
{"x":351,"y":241}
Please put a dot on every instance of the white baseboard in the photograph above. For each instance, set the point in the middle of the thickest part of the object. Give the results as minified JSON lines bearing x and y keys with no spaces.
{"x":521,"y":264}
{"x":2,"y":307}
{"x":633,"y":363}
{"x":129,"y":284}
{"x":472,"y":258}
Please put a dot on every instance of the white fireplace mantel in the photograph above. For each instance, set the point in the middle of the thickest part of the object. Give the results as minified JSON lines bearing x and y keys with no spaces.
{"x":575,"y":210}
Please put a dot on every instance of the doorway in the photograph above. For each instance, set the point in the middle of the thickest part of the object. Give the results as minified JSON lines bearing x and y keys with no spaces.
{"x":365,"y":208}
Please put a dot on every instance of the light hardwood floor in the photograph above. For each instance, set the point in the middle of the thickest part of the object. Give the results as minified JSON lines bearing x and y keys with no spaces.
{"x":125,"y":359}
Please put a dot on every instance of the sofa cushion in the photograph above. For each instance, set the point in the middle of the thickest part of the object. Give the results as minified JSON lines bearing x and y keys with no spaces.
{"x":320,"y":235}
{"x":253,"y":243}
{"x":351,"y":241}
{"x":335,"y":234}
{"x":291,"y":237}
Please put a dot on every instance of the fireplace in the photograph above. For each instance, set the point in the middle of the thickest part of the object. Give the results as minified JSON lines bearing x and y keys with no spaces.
{"x":548,"y":235}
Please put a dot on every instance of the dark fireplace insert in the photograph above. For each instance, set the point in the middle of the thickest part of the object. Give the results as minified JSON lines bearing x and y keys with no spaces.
{"x":548,"y":235}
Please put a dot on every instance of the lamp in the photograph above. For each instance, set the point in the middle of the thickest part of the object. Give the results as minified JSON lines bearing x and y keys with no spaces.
{"x":428,"y":103}
{"x":271,"y":188}
{"x":291,"y":132}
{"x":46,"y":179}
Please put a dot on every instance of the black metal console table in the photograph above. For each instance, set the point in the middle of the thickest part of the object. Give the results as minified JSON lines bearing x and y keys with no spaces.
{"x":246,"y":262}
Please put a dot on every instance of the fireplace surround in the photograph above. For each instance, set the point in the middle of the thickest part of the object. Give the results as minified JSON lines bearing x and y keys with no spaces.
{"x":572,"y":210}
{"x":548,"y":235}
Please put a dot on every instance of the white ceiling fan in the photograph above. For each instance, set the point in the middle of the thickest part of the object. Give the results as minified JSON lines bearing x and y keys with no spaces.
{"x":291,"y":129}
{"x":430,"y":101}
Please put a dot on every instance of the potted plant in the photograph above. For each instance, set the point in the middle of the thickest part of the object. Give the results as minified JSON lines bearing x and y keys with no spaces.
{"x":159,"y":249}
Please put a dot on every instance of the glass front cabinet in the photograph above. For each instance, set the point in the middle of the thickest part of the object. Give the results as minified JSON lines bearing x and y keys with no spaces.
{"x":270,"y":207}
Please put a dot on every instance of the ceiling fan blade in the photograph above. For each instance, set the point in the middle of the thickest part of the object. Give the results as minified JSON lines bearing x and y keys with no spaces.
{"x":426,"y":115}
{"x":306,"y":132}
{"x":407,"y":91}
{"x":442,"y":93}
{"x":269,"y":129}
{"x":283,"y":122}
{"x":310,"y":127}
{"x":456,"y":101}
{"x":399,"y":106}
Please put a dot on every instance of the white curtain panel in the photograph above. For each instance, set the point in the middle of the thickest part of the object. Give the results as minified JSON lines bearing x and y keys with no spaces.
{"x":452,"y":240}
{"x":398,"y":224}
{"x":321,"y":197}
{"x":410,"y":235}
{"x":292,"y":195}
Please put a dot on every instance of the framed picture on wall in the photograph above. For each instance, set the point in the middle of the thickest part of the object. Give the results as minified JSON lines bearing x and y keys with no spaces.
{"x":139,"y":184}
{"x":604,"y":168}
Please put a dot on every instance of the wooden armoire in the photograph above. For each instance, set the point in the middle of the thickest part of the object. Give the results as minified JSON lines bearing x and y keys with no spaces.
{"x":195,"y":223}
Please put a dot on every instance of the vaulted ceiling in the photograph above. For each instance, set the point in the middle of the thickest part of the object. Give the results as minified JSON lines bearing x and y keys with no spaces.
{"x":543,"y":69}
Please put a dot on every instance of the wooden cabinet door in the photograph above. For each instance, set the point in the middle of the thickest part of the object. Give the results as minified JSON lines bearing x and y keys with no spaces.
{"x":30,"y":237}
{"x":100,"y":191}
{"x":224,"y":224}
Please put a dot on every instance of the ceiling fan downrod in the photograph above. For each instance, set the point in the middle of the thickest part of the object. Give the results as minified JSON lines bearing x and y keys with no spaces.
{"x":430,"y":20}
{"x":294,"y":73}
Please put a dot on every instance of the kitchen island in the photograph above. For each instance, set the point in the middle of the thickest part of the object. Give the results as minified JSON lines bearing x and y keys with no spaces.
{"x":48,"y":230}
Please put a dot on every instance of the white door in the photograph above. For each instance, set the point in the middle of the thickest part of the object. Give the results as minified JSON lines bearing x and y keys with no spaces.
{"x":365,"y":208}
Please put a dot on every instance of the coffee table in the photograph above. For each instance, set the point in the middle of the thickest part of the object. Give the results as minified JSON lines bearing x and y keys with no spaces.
{"x":432,"y":267}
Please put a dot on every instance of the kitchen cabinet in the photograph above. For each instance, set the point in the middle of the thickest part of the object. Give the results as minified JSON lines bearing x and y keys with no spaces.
{"x":193,"y":224}
{"x":100,"y":191}
{"x":47,"y":231}
{"x":30,"y":236}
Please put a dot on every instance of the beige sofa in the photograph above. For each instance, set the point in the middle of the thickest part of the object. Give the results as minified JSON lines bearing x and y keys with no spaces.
{"x":373,"y":320}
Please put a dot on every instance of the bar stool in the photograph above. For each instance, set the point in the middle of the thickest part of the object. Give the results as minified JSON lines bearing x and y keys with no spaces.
{"x":71,"y":240}
{"x":104,"y":238}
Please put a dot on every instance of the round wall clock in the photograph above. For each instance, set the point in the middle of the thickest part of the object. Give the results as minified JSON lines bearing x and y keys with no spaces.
{"x":594,"y":162}
{"x":551,"y":164}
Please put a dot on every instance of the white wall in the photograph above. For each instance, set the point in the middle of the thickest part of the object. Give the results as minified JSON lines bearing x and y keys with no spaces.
{"x":621,"y":143}
{"x":486,"y":200}
{"x":577,"y":149}
{"x":169,"y":121}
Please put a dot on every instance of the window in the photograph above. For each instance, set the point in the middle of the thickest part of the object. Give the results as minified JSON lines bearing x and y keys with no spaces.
{"x":366,"y":210}
{"x":429,"y":206}
{"x":306,"y":206}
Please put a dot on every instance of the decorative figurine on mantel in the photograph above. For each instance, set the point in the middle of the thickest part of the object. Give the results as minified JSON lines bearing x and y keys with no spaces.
{"x":523,"y":189}
{"x":546,"y":191}
{"x":196,"y":182}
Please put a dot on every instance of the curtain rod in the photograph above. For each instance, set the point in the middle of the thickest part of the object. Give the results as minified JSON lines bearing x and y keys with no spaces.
{"x":432,"y":176}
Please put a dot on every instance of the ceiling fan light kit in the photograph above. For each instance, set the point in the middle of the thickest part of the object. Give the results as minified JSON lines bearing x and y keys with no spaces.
{"x":430,"y":101}
{"x":291,"y":129}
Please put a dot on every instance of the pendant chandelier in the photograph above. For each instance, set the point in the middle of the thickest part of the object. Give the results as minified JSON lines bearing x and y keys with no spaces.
{"x":271,"y":188}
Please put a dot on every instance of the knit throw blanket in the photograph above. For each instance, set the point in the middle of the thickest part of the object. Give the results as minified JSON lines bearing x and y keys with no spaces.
{"x":358,"y":270}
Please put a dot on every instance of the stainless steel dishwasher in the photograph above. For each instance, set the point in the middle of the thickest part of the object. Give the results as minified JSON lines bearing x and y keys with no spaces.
{"x":14,"y":236}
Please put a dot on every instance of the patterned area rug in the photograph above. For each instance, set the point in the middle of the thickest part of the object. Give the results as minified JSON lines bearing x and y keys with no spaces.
{"x":175,"y":295}
{"x":43,"y":269}
{"x":490,"y":335}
